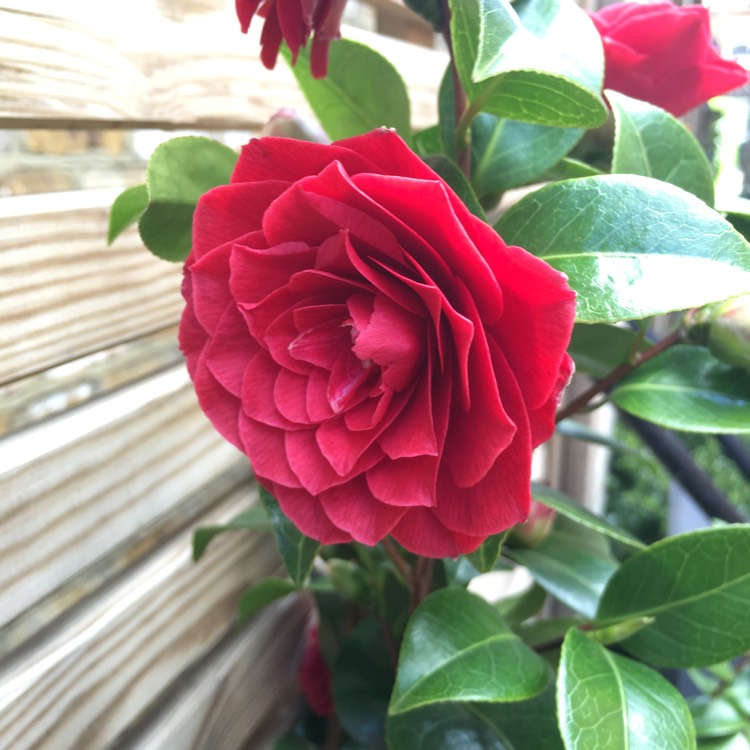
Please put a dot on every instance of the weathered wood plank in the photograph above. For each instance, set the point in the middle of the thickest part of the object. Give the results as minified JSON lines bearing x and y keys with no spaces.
{"x":77,"y":486}
{"x":65,"y":292}
{"x":227,"y":702}
{"x":160,"y":65}
{"x":102,"y":669}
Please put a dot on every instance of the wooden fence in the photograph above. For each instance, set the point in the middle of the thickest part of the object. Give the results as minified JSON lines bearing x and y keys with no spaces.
{"x":110,"y":636}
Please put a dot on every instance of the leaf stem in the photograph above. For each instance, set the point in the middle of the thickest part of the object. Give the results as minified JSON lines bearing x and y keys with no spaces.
{"x":578,"y":403}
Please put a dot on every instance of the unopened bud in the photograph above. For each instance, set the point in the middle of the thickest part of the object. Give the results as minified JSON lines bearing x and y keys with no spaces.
{"x":287,"y":123}
{"x":724,"y":328}
{"x":536,"y":528}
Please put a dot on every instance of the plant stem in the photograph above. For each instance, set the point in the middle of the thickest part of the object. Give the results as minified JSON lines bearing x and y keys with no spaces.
{"x":333,"y":734}
{"x":403,"y":567}
{"x":619,"y":373}
{"x":463,"y":149}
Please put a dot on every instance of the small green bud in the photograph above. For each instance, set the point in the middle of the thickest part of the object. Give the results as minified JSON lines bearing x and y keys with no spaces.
{"x":536,"y":528}
{"x":619,"y":631}
{"x":724,"y":328}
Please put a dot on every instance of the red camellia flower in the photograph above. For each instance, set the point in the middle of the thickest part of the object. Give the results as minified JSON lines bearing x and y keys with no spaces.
{"x":315,"y":677}
{"x":383,"y":358}
{"x":293,"y":21}
{"x":663,"y":54}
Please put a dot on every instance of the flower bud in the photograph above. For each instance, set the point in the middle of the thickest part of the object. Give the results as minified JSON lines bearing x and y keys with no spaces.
{"x":287,"y":123}
{"x":536,"y":528}
{"x":724,"y":328}
{"x":315,"y":677}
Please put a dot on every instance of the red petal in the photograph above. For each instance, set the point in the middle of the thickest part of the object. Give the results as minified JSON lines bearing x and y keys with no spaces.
{"x":412,"y":432}
{"x":270,"y":40}
{"x":264,"y":447}
{"x":542,"y":420}
{"x":423,"y":534}
{"x":231,"y":211}
{"x":352,"y":507}
{"x":405,"y":482}
{"x":245,"y":11}
{"x":306,"y":513}
{"x":230,"y":350}
{"x":258,"y":392}
{"x":220,"y":406}
{"x":287,"y":159}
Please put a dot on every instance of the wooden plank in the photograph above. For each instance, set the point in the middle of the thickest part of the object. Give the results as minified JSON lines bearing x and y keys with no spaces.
{"x":103,"y":669}
{"x":66,"y":293}
{"x":77,"y":486}
{"x":161,"y":65}
{"x":227,"y":702}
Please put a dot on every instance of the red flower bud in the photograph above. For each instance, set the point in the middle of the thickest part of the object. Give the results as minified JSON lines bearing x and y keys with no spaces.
{"x":315,"y":677}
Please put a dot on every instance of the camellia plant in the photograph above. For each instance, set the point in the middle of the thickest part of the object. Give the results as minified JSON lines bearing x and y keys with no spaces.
{"x":388,"y":348}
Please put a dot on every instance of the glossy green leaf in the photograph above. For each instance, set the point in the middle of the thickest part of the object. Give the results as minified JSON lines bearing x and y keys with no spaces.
{"x":126,"y":210}
{"x":576,"y":512}
{"x":578,"y":431}
{"x":297,"y":551}
{"x":450,"y":172}
{"x":488,"y":552}
{"x":351,"y":581}
{"x":570,"y":567}
{"x":447,"y":114}
{"x":697,"y":587}
{"x":621,"y":238}
{"x":362,"y":91}
{"x":741,"y":222}
{"x":547,"y":630}
{"x":179,"y":172}
{"x":605,"y":700}
{"x":598,"y":348}
{"x":262,"y":593}
{"x":254,"y":519}
{"x":515,"y":609}
{"x":428,"y":142}
{"x":506,"y":153}
{"x":567,"y":169}
{"x":687,"y":388}
{"x":521,"y":725}
{"x":457,"y":648}
{"x":362,"y":681}
{"x":714,"y":717}
{"x":546,"y":70}
{"x":652,"y":143}
{"x":738,"y":742}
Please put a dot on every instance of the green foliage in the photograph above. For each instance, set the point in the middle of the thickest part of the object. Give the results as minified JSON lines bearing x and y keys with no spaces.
{"x":652,"y":143}
{"x":450,"y":172}
{"x":617,"y":237}
{"x":608,"y":700}
{"x":254,"y":519}
{"x":452,"y":642}
{"x":262,"y":593}
{"x":696,"y":587}
{"x":488,"y":552}
{"x":687,"y":388}
{"x":297,"y":551}
{"x":179,"y":172}
{"x":361,"y":92}
{"x":126,"y":210}
{"x":545,"y":68}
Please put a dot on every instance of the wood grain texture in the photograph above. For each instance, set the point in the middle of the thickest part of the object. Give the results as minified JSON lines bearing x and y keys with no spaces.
{"x":77,"y":486}
{"x":104,"y":668}
{"x":65,"y":292}
{"x":160,"y":65}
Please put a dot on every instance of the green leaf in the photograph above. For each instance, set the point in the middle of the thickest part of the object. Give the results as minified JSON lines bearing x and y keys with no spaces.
{"x":457,"y":648}
{"x":738,"y":742}
{"x":714,"y":717}
{"x":254,"y":519}
{"x":126,"y":210}
{"x":179,"y":172}
{"x":687,"y":388}
{"x":506,"y":153}
{"x":598,"y":348}
{"x":487,"y":554}
{"x":428,"y":142}
{"x":697,"y":587}
{"x":578,"y":431}
{"x":362,"y":91}
{"x":521,"y":725}
{"x":545,"y":631}
{"x":618,"y":237}
{"x":447,"y":114}
{"x":577,"y":513}
{"x":262,"y":593}
{"x":297,"y":551}
{"x":570,"y":568}
{"x":567,"y":169}
{"x":548,"y":71}
{"x":609,"y":701}
{"x":450,"y":172}
{"x":652,"y":143}
{"x":741,"y":222}
{"x":362,"y":681}
{"x":351,"y":581}
{"x":519,"y":607}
